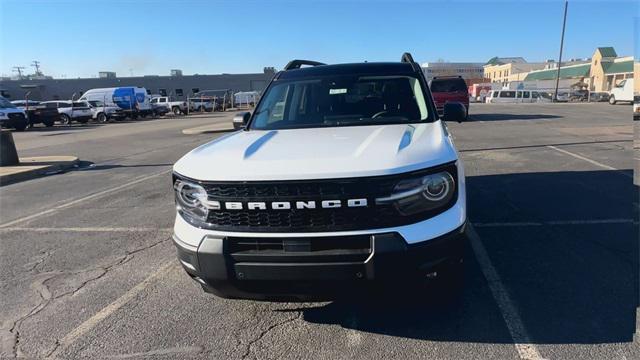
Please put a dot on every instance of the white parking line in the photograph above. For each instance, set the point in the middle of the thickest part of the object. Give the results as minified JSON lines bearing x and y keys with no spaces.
{"x":589,"y":160}
{"x":556,"y":222}
{"x":91,"y":323}
{"x":510,"y":314}
{"x":83,"y":199}
{"x":86,"y":229}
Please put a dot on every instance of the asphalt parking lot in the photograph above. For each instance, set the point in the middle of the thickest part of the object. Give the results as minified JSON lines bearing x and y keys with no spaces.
{"x":87,"y":267}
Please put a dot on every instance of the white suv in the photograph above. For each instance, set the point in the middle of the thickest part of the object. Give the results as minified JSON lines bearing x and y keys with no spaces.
{"x":69,"y":111}
{"x":343,"y":178}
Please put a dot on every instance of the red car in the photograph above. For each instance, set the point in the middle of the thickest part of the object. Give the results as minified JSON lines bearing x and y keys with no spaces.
{"x":449,"y":89}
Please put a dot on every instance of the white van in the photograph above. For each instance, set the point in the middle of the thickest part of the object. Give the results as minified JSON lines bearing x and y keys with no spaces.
{"x":622,"y":92}
{"x":517,"y":96}
{"x":130,"y":99}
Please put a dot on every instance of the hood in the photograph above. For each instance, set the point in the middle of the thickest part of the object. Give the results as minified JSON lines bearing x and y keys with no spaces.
{"x":319,"y":153}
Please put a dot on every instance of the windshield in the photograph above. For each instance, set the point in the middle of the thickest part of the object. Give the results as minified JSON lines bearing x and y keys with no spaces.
{"x":5,"y":104}
{"x":341,"y":101}
{"x":448,"y":85}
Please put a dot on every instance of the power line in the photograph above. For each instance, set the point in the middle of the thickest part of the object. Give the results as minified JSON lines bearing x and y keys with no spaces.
{"x":18,"y":69}
{"x":564,"y":23}
{"x":36,"y":64}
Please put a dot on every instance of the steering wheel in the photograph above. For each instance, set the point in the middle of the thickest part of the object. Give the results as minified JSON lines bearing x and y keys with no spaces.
{"x":378,"y":114}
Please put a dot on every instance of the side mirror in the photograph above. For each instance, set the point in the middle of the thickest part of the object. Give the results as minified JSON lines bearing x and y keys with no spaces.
{"x":240,"y":120}
{"x":454,"y":111}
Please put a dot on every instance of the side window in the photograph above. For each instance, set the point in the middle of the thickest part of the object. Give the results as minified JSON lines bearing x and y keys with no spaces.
{"x":154,"y":100}
{"x":162,"y":100}
{"x":519,"y":94}
{"x":508,"y":94}
{"x":526,"y":94}
{"x":534,"y":94}
{"x":195,"y":90}
{"x":179,"y":92}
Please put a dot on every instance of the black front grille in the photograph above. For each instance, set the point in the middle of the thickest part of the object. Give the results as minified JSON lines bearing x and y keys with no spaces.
{"x":311,"y":220}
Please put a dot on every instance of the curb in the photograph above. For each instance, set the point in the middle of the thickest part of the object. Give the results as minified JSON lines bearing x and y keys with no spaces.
{"x":33,"y":167}
{"x":209,"y":129}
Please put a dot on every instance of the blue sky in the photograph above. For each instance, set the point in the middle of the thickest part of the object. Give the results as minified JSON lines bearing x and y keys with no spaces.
{"x":80,"y":38}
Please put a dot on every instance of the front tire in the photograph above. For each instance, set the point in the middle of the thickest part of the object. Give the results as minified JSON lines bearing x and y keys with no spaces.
{"x":176,"y":111}
{"x":612,"y":100}
{"x":65,"y":119}
{"x":102,"y":118}
{"x":20,"y":127}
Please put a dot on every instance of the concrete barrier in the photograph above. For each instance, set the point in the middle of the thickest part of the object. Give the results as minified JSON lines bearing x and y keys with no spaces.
{"x":8,"y":152}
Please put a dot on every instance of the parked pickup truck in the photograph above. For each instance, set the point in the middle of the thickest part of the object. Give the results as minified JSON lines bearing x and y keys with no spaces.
{"x":344,"y":178}
{"x":176,"y":107}
{"x":38,"y":113}
{"x":202,"y":104}
{"x":103,"y":113}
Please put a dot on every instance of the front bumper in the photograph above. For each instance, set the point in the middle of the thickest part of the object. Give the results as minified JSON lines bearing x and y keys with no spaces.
{"x":322,"y":267}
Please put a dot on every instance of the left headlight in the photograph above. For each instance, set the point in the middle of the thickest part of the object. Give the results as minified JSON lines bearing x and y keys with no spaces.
{"x":430,"y":192}
{"x":192,"y":199}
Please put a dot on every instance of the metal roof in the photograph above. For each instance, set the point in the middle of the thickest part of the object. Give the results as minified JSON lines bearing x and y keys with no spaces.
{"x":618,"y":67}
{"x":565,"y":73}
{"x":607,"y":51}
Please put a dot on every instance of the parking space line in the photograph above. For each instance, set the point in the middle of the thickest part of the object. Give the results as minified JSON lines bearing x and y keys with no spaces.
{"x":86,"y":229}
{"x":510,"y":314}
{"x":83,"y":199}
{"x":556,"y":222}
{"x":589,"y":160}
{"x":93,"y":321}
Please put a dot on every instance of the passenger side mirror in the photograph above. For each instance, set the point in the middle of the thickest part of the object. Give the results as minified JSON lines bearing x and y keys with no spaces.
{"x":454,"y":111}
{"x":240,"y":120}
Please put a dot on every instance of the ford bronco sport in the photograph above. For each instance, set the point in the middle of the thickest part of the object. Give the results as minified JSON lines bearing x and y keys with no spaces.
{"x":344,"y":177}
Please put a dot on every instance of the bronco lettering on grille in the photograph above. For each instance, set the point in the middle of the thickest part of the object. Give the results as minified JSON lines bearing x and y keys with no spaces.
{"x":300,"y":205}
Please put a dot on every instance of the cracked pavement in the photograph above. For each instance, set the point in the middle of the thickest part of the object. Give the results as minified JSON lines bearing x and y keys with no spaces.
{"x":84,"y":281}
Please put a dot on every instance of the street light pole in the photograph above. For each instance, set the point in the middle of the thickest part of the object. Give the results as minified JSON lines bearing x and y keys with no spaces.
{"x":564,"y":23}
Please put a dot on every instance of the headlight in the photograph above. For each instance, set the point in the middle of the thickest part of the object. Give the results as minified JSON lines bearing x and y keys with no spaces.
{"x":423,"y":194}
{"x":192,"y":200}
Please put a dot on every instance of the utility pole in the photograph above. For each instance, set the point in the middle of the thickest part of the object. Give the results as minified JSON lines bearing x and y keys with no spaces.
{"x":564,"y":23}
{"x":36,"y":64}
{"x":18,"y":69}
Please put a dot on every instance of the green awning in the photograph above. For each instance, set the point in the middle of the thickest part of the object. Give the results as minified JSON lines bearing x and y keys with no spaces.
{"x":565,"y":73}
{"x":619,"y":67}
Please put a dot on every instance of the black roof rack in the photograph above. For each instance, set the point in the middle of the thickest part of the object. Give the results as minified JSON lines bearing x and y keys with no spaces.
{"x":296,"y":64}
{"x":407,"y":58}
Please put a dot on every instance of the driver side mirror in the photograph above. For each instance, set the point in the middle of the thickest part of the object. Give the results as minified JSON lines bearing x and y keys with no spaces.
{"x":241,"y":119}
{"x":454,"y":111}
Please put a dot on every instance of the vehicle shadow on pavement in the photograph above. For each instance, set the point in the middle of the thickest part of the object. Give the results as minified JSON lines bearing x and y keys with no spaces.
{"x":565,"y":245}
{"x":58,"y":127}
{"x":503,"y":117}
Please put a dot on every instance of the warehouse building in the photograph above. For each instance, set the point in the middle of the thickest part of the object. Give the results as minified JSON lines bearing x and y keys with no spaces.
{"x":178,"y":86}
{"x":472,"y":72}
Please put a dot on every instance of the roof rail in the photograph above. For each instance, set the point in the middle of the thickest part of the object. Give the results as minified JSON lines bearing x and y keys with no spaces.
{"x":407,"y":58}
{"x":296,"y":64}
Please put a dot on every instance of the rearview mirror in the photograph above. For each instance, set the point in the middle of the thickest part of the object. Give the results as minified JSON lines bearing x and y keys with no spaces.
{"x":454,"y":111}
{"x":240,"y":120}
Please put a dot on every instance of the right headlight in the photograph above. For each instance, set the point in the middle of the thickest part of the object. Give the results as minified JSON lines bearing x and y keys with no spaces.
{"x":427,"y":193}
{"x":192,"y":200}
